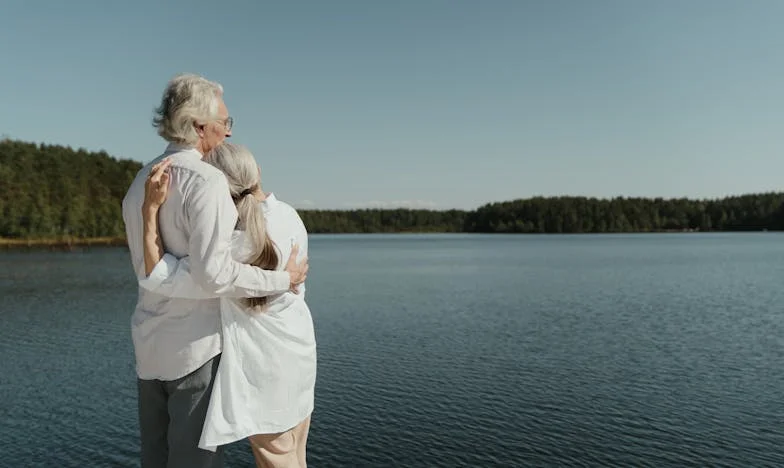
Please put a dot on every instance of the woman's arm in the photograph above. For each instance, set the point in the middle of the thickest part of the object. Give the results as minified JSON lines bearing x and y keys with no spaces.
{"x":156,"y":188}
{"x":153,"y":248}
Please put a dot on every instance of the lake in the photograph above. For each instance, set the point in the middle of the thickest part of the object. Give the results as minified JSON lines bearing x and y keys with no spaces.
{"x":446,"y":351}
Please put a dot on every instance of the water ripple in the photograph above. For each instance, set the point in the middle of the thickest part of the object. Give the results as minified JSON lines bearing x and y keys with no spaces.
{"x":461,"y":352}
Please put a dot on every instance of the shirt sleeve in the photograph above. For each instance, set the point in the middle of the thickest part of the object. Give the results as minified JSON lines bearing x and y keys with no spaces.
{"x":212,"y":216}
{"x":171,"y":277}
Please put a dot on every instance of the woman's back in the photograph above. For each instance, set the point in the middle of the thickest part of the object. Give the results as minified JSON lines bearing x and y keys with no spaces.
{"x":267,"y":374}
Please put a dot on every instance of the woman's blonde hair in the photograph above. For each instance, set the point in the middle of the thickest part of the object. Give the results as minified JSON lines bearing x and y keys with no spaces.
{"x":242,"y":173}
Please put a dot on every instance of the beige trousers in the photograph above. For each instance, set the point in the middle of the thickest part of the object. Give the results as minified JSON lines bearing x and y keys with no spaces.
{"x":281,"y":450}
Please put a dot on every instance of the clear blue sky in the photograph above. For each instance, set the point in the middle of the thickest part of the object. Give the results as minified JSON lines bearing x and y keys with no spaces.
{"x":433,"y":103}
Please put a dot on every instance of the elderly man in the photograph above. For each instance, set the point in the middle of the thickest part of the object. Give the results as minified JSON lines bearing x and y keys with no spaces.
{"x":177,"y":341}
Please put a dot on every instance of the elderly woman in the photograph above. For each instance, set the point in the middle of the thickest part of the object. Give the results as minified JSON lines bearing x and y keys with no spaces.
{"x":264,"y":388}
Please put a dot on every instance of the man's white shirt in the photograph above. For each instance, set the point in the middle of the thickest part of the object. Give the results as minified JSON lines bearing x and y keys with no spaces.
{"x":174,"y":336}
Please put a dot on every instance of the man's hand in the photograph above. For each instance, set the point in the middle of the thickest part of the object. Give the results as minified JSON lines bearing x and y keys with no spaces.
{"x":297,"y":271}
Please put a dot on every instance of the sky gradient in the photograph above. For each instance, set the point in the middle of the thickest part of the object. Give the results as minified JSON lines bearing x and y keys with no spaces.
{"x":428,"y":103}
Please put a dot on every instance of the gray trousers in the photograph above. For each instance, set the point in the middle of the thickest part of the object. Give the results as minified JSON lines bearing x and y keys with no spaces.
{"x":171,"y":416}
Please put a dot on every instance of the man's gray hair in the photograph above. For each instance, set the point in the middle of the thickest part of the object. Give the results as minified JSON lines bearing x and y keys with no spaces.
{"x":187,"y":101}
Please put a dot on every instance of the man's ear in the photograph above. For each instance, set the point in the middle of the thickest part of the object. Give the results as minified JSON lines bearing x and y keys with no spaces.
{"x":199,"y":129}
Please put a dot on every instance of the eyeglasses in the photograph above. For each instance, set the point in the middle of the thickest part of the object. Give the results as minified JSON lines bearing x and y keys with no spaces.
{"x":228,"y":123}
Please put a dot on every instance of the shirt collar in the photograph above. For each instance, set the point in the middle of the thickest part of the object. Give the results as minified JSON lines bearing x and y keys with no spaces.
{"x":180,"y":148}
{"x":269,"y":202}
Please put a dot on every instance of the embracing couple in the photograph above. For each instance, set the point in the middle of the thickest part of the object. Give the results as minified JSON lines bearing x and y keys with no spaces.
{"x":223,"y":338}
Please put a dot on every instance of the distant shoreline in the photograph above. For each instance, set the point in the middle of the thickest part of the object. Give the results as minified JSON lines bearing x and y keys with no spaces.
{"x":62,"y":243}
{"x":74,"y":243}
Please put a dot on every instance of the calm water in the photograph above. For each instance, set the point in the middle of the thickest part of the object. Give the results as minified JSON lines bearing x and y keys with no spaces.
{"x":640,"y":350}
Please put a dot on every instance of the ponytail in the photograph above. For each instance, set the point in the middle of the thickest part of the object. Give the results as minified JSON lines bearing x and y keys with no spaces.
{"x":264,"y":254}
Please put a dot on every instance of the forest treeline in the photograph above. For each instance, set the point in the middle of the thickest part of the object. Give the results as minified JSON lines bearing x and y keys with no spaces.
{"x":52,"y":191}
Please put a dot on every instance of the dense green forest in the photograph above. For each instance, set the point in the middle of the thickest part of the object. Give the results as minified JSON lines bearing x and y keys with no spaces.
{"x":580,"y":214}
{"x":50,"y":191}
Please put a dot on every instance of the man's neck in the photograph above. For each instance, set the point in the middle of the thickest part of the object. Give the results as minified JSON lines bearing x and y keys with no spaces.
{"x":200,"y":148}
